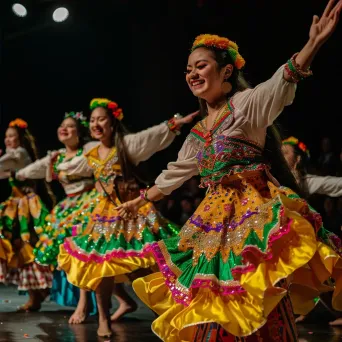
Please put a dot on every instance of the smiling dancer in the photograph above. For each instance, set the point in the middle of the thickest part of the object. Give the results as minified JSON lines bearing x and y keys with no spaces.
{"x":71,"y":215}
{"x":21,"y":217}
{"x":221,"y":279}
{"x":110,"y":246}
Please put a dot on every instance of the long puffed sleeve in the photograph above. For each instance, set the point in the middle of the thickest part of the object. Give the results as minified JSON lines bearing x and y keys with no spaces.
{"x":328,"y":185}
{"x":36,"y":170}
{"x":262,"y":104}
{"x":141,"y":146}
{"x":13,"y":159}
{"x":78,"y":166}
{"x":179,"y":171}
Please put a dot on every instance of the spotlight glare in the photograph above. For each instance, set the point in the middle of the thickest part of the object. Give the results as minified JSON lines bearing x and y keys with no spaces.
{"x":60,"y":14}
{"x":19,"y":10}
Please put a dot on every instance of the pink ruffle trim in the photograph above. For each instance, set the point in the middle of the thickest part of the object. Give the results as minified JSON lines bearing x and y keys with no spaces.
{"x":177,"y":293}
{"x":101,"y":259}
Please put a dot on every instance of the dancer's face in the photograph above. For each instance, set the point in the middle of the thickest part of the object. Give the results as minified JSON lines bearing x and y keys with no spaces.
{"x":67,"y":132}
{"x":100,"y":124}
{"x":203,"y":75}
{"x":12,"y":138}
{"x":290,"y":156}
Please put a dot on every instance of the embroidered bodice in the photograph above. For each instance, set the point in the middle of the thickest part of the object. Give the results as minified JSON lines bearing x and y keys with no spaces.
{"x":236,"y":140}
{"x":226,"y":156}
{"x":106,"y":170}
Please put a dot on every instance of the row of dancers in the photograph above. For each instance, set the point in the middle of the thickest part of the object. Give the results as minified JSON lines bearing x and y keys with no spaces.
{"x":254,"y":251}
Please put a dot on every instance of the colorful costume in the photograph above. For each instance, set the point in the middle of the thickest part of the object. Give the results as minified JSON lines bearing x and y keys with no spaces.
{"x":111,"y":246}
{"x":247,"y":234}
{"x":21,"y":217}
{"x":68,"y":217}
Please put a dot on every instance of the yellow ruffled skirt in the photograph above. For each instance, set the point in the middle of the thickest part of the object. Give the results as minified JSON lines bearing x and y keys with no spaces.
{"x":111,"y":246}
{"x":226,"y":263}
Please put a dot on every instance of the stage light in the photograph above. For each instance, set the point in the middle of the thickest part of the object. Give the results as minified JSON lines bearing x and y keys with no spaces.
{"x":60,"y":14}
{"x":19,"y":10}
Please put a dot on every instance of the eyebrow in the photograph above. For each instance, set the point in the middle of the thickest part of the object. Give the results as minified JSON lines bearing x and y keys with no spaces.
{"x":201,"y":60}
{"x":100,"y":116}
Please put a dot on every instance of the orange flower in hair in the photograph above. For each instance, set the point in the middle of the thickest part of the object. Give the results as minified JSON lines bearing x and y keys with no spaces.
{"x":295,"y":142}
{"x":222,"y":43}
{"x":302,"y":146}
{"x":18,"y":123}
{"x":106,"y":103}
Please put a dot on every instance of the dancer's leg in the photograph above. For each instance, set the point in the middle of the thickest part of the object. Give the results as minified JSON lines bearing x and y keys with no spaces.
{"x":126,"y":302}
{"x":81,"y":312}
{"x":103,"y":294}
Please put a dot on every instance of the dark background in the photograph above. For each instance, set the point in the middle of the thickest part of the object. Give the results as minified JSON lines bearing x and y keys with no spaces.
{"x":135,"y":53}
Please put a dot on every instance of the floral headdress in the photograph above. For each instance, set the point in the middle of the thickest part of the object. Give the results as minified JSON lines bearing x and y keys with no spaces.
{"x":295,"y":142}
{"x":77,"y":116}
{"x":18,"y":123}
{"x":111,"y":105}
{"x":222,"y":43}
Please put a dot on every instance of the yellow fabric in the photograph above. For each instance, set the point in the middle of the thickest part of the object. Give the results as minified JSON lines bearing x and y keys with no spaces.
{"x":240,"y":315}
{"x":23,"y":257}
{"x":6,"y":251}
{"x":35,"y":205}
{"x":88,"y":275}
{"x":300,"y":246}
{"x":306,"y":283}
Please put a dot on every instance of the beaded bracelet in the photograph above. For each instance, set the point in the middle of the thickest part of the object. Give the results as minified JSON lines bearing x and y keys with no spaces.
{"x":294,"y":70}
{"x":173,"y":127}
{"x":143,"y":194}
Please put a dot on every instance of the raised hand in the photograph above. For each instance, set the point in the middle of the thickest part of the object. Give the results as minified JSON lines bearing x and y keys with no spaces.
{"x":322,"y":28}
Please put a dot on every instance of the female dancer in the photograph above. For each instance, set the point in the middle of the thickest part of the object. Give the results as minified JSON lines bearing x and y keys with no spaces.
{"x":71,"y":215}
{"x":297,"y":155}
{"x":21,"y":217}
{"x":109,"y":246}
{"x":225,"y":267}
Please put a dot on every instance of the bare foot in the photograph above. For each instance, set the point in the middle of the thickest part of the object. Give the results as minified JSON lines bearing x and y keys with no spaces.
{"x":337,"y":321}
{"x":29,"y":307}
{"x":79,"y":316}
{"x":81,"y":312}
{"x":300,"y":319}
{"x":122,"y":310}
{"x":104,"y":329}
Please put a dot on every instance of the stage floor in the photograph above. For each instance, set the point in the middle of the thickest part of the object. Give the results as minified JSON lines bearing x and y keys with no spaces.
{"x":51,"y":324}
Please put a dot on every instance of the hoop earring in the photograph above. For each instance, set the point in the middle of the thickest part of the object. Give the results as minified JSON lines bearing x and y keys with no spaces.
{"x":227,"y":87}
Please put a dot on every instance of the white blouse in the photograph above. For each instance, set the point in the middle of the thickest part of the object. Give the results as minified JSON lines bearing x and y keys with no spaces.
{"x":254,"y":110}
{"x":328,"y":185}
{"x":74,"y":175}
{"x":13,"y":159}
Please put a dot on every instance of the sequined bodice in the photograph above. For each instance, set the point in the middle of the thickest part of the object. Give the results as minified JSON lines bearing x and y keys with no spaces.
{"x":106,"y":170}
{"x":223,"y":156}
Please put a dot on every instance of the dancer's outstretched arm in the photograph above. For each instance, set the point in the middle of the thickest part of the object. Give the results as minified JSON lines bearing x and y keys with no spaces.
{"x":321,"y":29}
{"x":142,"y":145}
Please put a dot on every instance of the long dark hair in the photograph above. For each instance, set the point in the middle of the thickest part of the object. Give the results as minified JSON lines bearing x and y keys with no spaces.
{"x":272,"y":150}
{"x":28,"y":142}
{"x":301,"y":166}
